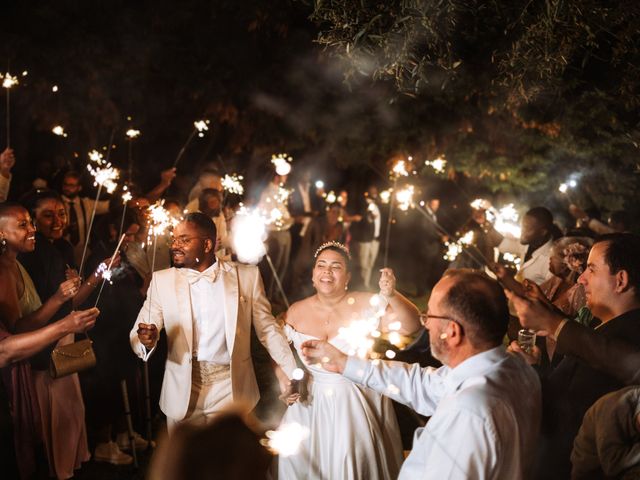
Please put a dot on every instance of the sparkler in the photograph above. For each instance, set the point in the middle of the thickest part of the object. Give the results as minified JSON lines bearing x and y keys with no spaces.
{"x":319,"y":184}
{"x":385,"y":196}
{"x":106,"y":274}
{"x":330,"y":197}
{"x":565,"y":188}
{"x":287,"y":439}
{"x":399,"y":169}
{"x":456,"y":248}
{"x":233,"y":183}
{"x":282,"y":163}
{"x":59,"y":130}
{"x":248,"y":234}
{"x":104,"y":176}
{"x":404,"y":198}
{"x":131,"y":134}
{"x":8,"y":81}
{"x":438,"y":164}
{"x":200,"y":126}
{"x":126,"y":197}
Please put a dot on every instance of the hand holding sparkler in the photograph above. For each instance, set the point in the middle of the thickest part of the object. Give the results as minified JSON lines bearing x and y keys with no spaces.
{"x":322,"y":352}
{"x":387,"y":283}
{"x":7,"y":161}
{"x":148,"y":335}
{"x":67,"y":290}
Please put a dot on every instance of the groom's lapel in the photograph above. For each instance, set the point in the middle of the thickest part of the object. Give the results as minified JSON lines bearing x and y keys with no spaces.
{"x":183,"y":301}
{"x":229,"y":275}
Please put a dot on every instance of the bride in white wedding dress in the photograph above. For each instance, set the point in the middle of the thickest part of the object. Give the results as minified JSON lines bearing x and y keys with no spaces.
{"x":353,"y":431}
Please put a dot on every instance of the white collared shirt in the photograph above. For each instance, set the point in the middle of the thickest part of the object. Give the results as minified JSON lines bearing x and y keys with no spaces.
{"x":207,"y":309}
{"x":536,"y":268}
{"x":485,"y":414}
{"x":375,"y":213}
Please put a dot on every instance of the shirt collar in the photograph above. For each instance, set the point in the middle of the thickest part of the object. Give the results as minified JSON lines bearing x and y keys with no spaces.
{"x":543,"y":249}
{"x":474,"y":366}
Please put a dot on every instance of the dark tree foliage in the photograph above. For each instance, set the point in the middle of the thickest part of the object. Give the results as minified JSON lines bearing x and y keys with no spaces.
{"x":525,"y":93}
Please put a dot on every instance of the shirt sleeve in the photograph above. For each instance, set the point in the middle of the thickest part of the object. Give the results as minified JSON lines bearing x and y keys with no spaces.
{"x":418,"y":388}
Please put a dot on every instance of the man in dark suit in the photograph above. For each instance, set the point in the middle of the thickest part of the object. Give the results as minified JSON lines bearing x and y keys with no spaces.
{"x":612,"y":286}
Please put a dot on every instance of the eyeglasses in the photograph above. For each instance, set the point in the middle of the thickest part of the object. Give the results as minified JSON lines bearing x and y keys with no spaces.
{"x":425,"y":316}
{"x":183,"y":240}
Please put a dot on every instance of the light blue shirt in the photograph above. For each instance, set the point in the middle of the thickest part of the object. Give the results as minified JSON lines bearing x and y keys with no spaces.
{"x":485,"y":414}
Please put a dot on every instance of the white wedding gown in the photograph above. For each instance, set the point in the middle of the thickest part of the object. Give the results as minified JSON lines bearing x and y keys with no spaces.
{"x":353,"y":431}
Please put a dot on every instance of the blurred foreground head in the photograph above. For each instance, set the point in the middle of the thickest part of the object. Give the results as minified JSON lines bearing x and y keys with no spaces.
{"x":224,"y":449}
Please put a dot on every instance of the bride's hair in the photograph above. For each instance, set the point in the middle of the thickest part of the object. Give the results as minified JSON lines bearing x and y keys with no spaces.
{"x":341,"y":248}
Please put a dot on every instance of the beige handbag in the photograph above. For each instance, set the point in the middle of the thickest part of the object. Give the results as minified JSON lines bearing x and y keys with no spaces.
{"x":72,"y":358}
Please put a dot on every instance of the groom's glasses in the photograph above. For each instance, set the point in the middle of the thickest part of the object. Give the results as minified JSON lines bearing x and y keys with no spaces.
{"x":183,"y":240}
{"x":425,"y":316}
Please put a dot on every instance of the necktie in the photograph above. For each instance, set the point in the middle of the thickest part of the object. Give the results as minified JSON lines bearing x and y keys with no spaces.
{"x":72,"y":228}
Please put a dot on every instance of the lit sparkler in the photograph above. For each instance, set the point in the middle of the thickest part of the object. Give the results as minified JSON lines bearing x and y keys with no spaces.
{"x":399,"y":169}
{"x":104,"y":176}
{"x":282,"y":163}
{"x":438,"y":165}
{"x":160,"y":221}
{"x":287,"y":439}
{"x":8,"y":81}
{"x":455,"y":248}
{"x":358,"y":336}
{"x":385,"y":196}
{"x":404,"y":198}
{"x":233,"y":184}
{"x":132,"y":133}
{"x":507,"y":221}
{"x":319,"y":184}
{"x":249,"y":231}
{"x":59,"y":130}
{"x":200,"y":126}
{"x":480,"y":204}
{"x":106,"y":274}
{"x":331,"y":197}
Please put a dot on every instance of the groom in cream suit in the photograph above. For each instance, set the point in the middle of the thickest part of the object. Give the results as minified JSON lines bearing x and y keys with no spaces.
{"x":207,"y":308}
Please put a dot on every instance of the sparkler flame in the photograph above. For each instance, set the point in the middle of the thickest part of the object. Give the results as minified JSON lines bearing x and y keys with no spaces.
{"x":59,"y":130}
{"x":282,"y":163}
{"x":507,"y":221}
{"x":358,"y":336}
{"x":201,"y":126}
{"x":385,"y":196}
{"x":480,"y":204}
{"x":249,"y":232}
{"x":8,"y":80}
{"x":399,"y":169}
{"x":160,"y":221}
{"x":233,"y":183}
{"x":438,"y":165}
{"x":404,"y":197}
{"x":286,"y":440}
{"x":331,"y":197}
{"x":132,"y":133}
{"x":103,"y":174}
{"x":319,"y":184}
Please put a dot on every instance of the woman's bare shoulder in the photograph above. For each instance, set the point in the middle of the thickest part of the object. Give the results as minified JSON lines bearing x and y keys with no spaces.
{"x":298,"y":310}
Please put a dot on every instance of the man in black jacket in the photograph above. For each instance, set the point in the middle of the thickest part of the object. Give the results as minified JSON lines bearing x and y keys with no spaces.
{"x":612,"y":286}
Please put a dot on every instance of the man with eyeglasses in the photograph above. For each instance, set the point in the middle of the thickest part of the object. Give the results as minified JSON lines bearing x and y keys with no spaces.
{"x":484,"y":403}
{"x":207,"y":307}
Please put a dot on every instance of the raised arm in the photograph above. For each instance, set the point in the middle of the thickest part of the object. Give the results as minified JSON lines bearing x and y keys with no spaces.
{"x":399,"y":308}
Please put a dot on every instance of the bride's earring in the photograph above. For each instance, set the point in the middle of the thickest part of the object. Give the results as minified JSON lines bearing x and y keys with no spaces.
{"x":346,"y":287}
{"x":3,"y":245}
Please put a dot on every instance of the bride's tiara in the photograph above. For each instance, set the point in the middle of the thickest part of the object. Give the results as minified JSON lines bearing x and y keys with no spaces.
{"x":340,"y":246}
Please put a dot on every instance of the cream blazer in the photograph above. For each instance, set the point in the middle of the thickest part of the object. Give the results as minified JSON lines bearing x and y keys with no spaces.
{"x":168,"y":306}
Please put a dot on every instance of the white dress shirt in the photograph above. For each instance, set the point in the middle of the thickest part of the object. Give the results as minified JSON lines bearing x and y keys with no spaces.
{"x":375,"y":213}
{"x":485,"y":414}
{"x":207,"y":310}
{"x":536,"y":268}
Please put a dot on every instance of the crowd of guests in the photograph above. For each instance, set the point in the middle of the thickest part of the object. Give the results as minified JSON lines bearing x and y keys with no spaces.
{"x":567,"y":407}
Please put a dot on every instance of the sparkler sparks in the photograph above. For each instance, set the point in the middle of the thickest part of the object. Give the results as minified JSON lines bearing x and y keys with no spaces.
{"x":248,"y":235}
{"x":438,"y":165}
{"x":357,"y":335}
{"x":385,"y":196}
{"x":319,"y":184}
{"x":103,"y":174}
{"x":233,"y":184}
{"x":54,"y":89}
{"x":455,"y":248}
{"x":282,"y":163}
{"x":404,"y":198}
{"x":399,"y":169}
{"x":160,"y":221}
{"x":331,"y":197}
{"x":287,"y":439}
{"x":8,"y":80}
{"x":507,"y":221}
{"x":59,"y":130}
{"x":132,"y":133}
{"x":201,"y":126}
